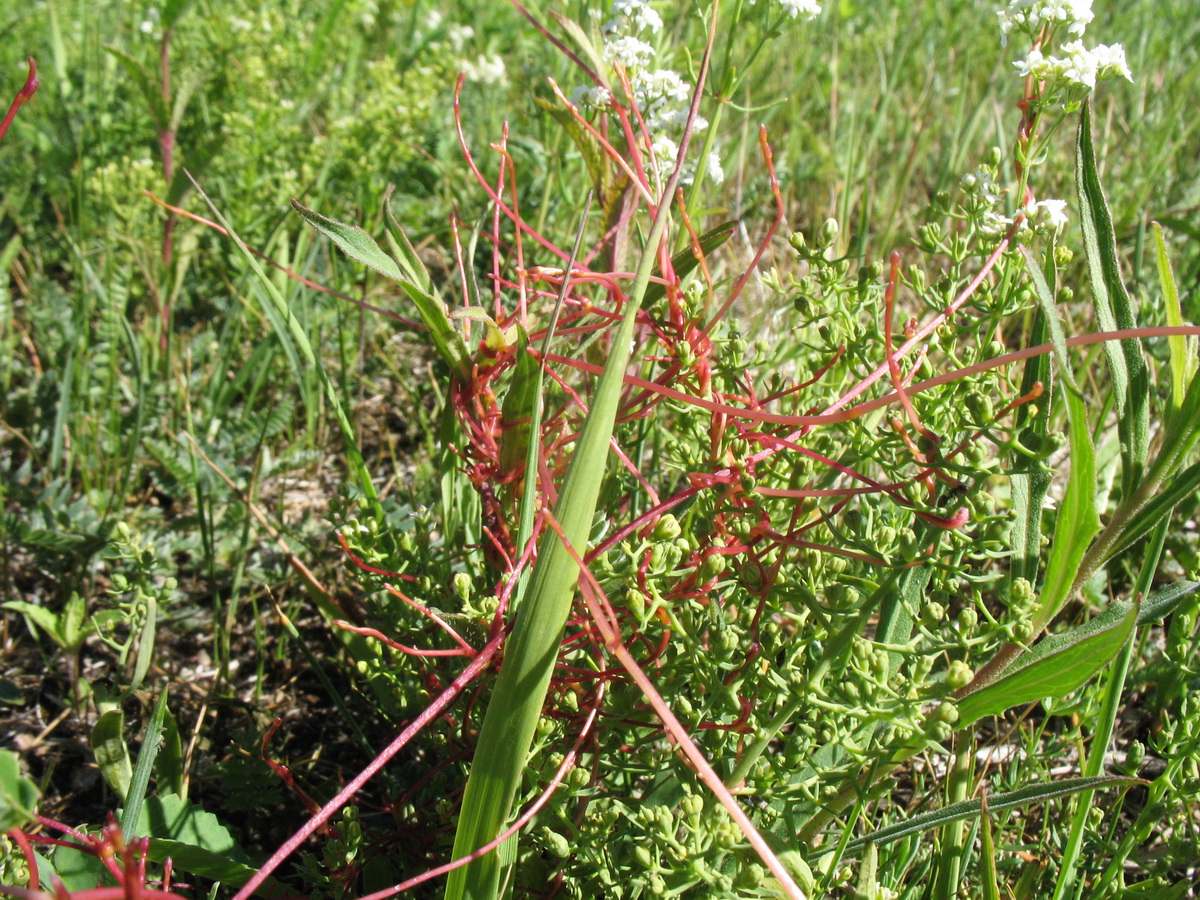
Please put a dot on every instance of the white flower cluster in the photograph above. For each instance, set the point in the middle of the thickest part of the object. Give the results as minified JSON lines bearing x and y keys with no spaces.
{"x":1079,"y":66}
{"x":1075,"y":65}
{"x":1043,"y":215}
{"x":1031,"y":16}
{"x":982,"y":196}
{"x":810,"y":9}
{"x":632,"y":16}
{"x":663,"y":97}
{"x":488,"y":68}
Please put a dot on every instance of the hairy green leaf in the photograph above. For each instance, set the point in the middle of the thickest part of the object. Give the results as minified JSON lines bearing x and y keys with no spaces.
{"x":1056,"y":666}
{"x":1113,"y":309}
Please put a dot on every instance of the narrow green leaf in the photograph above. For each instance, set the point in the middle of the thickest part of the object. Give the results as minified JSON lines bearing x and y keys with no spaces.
{"x":136,"y":795}
{"x":1113,"y":309}
{"x":41,"y":617}
{"x":1077,"y":520}
{"x":145,"y":650}
{"x":352,"y":240}
{"x":1183,"y":351}
{"x":686,"y":260}
{"x":1056,"y":666}
{"x":295,"y":342}
{"x":404,"y":252}
{"x":584,"y":42}
{"x":996,"y":803}
{"x":1180,"y":432}
{"x":112,"y":756}
{"x":532,"y":649}
{"x":168,"y":766}
{"x":1179,"y":488}
{"x":415,"y":281}
{"x":990,"y":884}
{"x":1165,"y":602}
{"x":867,"y":885}
{"x":1046,"y":298}
{"x":532,"y":396}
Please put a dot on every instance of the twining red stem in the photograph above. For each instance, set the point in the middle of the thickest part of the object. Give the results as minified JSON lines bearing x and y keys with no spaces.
{"x":26,"y":91}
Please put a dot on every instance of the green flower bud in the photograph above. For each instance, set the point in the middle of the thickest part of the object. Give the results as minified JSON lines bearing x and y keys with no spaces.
{"x":829,"y":231}
{"x":666,"y":528}
{"x":556,"y":843}
{"x":1134,"y":756}
{"x":644,"y":857}
{"x":799,"y":244}
{"x":958,"y":675}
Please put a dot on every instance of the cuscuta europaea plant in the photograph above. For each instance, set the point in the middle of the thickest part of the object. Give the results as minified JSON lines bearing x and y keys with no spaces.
{"x":739,"y":479}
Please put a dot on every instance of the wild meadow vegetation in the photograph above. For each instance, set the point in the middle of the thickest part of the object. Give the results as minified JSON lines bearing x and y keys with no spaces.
{"x":632,"y":449}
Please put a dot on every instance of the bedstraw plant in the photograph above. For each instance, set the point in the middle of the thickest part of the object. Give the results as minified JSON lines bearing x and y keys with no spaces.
{"x":753,"y":547}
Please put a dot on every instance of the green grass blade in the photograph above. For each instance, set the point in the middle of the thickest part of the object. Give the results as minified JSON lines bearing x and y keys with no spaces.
{"x":145,"y":765}
{"x":532,"y":649}
{"x":1105,"y":721}
{"x":406,"y":270}
{"x":1113,"y":309}
{"x":996,"y":803}
{"x":295,"y":342}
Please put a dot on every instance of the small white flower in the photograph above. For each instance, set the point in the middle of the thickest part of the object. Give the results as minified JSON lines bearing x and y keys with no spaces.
{"x":994,"y":223}
{"x":1080,"y":66}
{"x":808,"y":8}
{"x":675,"y":119}
{"x":1110,"y":60}
{"x":1030,"y":15}
{"x":632,"y":16}
{"x":459,"y":35}
{"x":664,"y":148}
{"x":662,"y":86}
{"x":487,"y":69}
{"x":1035,"y":64}
{"x":716,"y":174}
{"x":629,"y":52}
{"x":591,"y":97}
{"x":1046,"y":214}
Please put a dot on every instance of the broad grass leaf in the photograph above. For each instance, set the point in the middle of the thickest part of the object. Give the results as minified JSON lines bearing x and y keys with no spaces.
{"x":111,"y":752}
{"x":18,"y":795}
